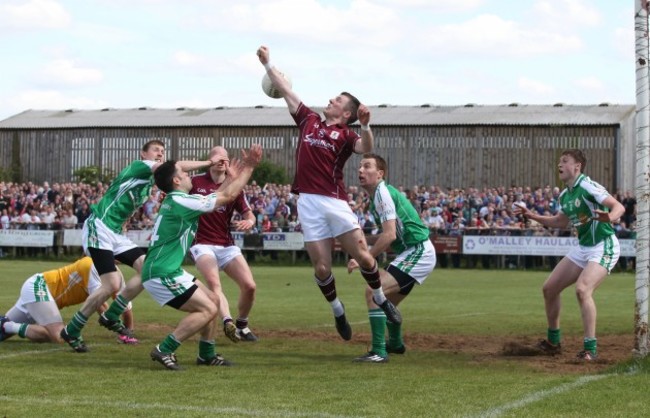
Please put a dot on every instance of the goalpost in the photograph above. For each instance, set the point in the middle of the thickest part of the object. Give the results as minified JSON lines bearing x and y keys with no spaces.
{"x":642,"y":183}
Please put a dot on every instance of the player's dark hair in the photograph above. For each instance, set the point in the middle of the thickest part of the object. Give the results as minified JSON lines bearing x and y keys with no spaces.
{"x":164,"y":176}
{"x":578,"y":156}
{"x":379,"y":161}
{"x":146,"y":146}
{"x":352,"y":106}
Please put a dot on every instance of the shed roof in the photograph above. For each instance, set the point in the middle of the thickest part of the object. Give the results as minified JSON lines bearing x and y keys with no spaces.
{"x":382,"y":115}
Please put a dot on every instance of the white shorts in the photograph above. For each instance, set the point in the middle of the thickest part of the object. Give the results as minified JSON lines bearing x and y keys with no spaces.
{"x":223,"y":255}
{"x":35,"y":304}
{"x":605,"y":253}
{"x":95,"y":234}
{"x":324,"y":217}
{"x":418,"y":262}
{"x":165,"y":289}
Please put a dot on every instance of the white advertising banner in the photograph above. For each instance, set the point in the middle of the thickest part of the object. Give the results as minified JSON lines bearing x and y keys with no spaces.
{"x":545,"y":246}
{"x":239,"y":239}
{"x":26,"y":238}
{"x":72,"y":237}
{"x":140,"y":238}
{"x":283,"y":241}
{"x":293,"y":241}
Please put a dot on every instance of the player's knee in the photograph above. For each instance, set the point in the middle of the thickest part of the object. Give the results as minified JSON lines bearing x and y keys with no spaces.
{"x":547,"y":291}
{"x":366,"y":262}
{"x":211,"y":310}
{"x":582,"y":293}
{"x":112,"y":286}
{"x":248,"y":288}
{"x":322,"y":271}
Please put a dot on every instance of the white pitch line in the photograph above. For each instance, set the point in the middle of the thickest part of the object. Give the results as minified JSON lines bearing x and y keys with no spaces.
{"x":123,"y":406}
{"x":51,"y":350}
{"x":463,"y":315}
{"x":538,"y":396}
{"x":328,"y":325}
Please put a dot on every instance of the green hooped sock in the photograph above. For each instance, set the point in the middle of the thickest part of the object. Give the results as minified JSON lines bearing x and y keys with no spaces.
{"x":169,"y":344}
{"x":117,"y":308}
{"x":207,"y":349}
{"x":554,"y":336}
{"x":22,"y":331}
{"x":377,"y":319}
{"x":590,"y":344}
{"x":76,"y":324}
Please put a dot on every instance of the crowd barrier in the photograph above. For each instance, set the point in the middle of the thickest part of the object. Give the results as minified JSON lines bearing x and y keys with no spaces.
{"x":520,"y":245}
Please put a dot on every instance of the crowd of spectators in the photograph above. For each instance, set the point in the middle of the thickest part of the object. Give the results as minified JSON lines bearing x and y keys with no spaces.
{"x":446,"y":211}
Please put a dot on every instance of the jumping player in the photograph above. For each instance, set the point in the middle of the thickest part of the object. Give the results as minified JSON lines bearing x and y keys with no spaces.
{"x":323,"y":211}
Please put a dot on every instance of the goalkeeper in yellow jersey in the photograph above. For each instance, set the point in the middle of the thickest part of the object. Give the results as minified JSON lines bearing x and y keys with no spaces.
{"x":36,"y":315}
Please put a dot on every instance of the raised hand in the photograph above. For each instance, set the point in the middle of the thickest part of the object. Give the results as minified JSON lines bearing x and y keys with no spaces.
{"x":363,"y":114}
{"x":253,"y":157}
{"x":352,"y":265}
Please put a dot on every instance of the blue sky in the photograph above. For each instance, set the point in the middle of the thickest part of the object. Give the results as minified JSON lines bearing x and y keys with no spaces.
{"x":92,"y":54}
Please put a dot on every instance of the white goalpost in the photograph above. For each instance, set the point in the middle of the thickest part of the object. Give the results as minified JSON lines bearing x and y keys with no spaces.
{"x":642,"y":182}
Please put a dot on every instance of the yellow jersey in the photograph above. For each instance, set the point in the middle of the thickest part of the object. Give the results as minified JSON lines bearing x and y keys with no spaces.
{"x":71,"y":285}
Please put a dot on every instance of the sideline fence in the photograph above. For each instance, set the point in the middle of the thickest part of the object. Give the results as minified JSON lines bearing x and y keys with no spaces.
{"x":497,"y":248}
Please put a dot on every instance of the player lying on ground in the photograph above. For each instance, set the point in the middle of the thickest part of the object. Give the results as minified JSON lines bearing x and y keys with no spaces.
{"x":36,"y":314}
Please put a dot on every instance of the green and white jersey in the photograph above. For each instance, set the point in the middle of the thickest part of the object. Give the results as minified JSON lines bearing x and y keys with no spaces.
{"x":388,"y":203}
{"x":173,"y":233}
{"x":128,"y":191}
{"x":579,"y":202}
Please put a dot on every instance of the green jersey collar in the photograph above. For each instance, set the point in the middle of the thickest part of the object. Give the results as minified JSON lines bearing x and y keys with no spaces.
{"x":578,"y":180}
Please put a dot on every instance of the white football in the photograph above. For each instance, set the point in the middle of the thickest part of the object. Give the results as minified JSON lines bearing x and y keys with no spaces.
{"x":520,"y":205}
{"x":269,"y":88}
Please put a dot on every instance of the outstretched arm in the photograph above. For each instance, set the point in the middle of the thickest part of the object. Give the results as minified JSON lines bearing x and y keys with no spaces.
{"x":191,"y":165}
{"x":239,"y":173}
{"x":556,"y":221}
{"x":278,"y":81}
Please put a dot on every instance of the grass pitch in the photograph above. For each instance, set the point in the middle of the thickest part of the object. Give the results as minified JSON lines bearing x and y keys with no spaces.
{"x":455,"y":326}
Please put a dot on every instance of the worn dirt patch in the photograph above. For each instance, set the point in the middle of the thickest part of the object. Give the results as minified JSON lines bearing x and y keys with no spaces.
{"x":612,"y":349}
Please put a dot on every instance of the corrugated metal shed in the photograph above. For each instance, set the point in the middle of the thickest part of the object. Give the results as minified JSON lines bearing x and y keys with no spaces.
{"x":425,"y":115}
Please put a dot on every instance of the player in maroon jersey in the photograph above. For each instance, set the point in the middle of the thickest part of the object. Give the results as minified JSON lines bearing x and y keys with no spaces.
{"x":214,"y":248}
{"x":323,"y":210}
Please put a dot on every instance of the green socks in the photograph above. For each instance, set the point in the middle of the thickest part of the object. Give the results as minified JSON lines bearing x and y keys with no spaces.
{"x":207,"y":349}
{"x":76,"y":324}
{"x":554,"y":336}
{"x":22,"y":331}
{"x":394,"y":335}
{"x":590,"y":344}
{"x":377,"y":319}
{"x":117,"y":308}
{"x":169,"y":344}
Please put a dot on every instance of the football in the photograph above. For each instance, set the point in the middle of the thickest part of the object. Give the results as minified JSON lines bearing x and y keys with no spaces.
{"x":269,"y":88}
{"x":518,"y":205}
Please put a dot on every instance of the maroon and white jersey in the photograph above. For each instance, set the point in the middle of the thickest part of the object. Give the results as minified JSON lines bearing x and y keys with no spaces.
{"x":214,"y":227}
{"x":321,"y":154}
